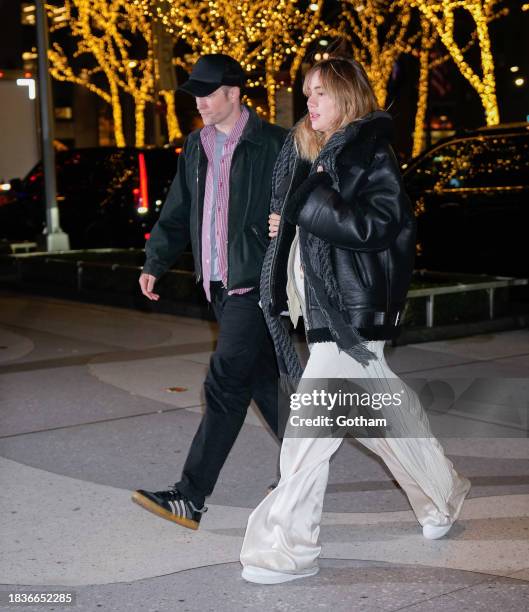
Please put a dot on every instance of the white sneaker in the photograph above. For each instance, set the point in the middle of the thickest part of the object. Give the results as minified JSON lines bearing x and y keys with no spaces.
{"x":260,"y":575}
{"x":434,"y":532}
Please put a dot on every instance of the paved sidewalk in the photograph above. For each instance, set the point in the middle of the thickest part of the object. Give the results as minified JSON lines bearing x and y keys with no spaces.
{"x":97,"y":401}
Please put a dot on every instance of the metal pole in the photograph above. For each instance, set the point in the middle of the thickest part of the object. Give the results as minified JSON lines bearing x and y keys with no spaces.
{"x":429,"y":310}
{"x":56,"y":239}
{"x":490,"y":291}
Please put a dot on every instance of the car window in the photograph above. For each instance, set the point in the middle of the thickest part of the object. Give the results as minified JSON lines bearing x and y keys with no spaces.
{"x":498,"y":161}
{"x":97,"y":170}
{"x":482,"y":161}
{"x":444,"y":167}
{"x":106,"y":171}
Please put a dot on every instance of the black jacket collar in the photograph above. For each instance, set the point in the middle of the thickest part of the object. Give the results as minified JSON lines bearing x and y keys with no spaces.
{"x":375,"y":124}
{"x":253,"y":131}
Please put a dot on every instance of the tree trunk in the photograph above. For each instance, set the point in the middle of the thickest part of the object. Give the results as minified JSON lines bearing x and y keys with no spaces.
{"x":173,"y":125}
{"x":422,"y":101}
{"x":488,"y":92}
{"x":271,"y":94}
{"x":116,"y":114}
{"x":139,"y":115}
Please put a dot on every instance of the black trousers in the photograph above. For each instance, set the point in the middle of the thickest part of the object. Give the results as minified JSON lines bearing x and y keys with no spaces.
{"x":242,"y":367}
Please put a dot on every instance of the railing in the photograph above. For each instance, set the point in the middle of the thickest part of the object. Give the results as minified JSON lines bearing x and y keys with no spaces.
{"x":489,"y":286}
{"x":16,"y":247}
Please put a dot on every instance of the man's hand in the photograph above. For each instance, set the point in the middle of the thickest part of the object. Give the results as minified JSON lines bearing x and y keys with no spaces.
{"x":147,"y":285}
{"x":273,"y":224}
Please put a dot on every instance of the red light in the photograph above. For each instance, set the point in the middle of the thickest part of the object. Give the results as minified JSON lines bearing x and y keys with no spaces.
{"x":136,"y":191}
{"x":147,"y":236}
{"x":143,"y":181}
{"x":2,"y":74}
{"x":178,"y":150}
{"x":27,"y":75}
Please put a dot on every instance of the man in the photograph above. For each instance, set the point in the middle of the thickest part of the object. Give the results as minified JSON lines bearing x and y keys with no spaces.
{"x":220,"y":200}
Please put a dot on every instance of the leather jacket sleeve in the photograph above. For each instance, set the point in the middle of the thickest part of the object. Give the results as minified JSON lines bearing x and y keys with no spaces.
{"x":170,"y":235}
{"x":366,"y":218}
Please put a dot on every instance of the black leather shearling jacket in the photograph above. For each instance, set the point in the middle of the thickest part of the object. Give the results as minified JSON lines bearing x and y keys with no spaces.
{"x":370,"y":224}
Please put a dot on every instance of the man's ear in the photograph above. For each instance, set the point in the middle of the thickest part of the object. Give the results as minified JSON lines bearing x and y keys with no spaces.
{"x":235,"y":94}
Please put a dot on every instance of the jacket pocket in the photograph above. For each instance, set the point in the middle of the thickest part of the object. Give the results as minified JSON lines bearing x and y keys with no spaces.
{"x":358,"y":268}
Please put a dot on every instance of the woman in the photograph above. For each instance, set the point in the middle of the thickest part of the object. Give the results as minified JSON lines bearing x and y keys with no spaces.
{"x":342,"y":251}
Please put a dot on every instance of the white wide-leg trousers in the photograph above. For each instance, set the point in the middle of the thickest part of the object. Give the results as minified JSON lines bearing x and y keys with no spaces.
{"x":282,"y":532}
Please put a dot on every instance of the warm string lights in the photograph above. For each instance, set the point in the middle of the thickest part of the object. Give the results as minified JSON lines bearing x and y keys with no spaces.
{"x":99,"y":77}
{"x":429,"y":39}
{"x":377,"y":34}
{"x":173,"y":125}
{"x":115,"y":41}
{"x":440,"y":15}
{"x":265,"y":37}
{"x":427,"y":42}
{"x":105,"y":33}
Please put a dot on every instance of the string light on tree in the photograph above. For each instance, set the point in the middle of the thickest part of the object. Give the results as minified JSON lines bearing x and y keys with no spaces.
{"x":265,"y":37}
{"x":377,"y":33}
{"x":441,"y":15}
{"x":427,"y":42}
{"x":106,"y":33}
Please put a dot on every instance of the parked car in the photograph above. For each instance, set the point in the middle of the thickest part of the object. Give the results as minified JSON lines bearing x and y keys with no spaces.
{"x":470,"y":193}
{"x":107,"y":196}
{"x":471,"y":198}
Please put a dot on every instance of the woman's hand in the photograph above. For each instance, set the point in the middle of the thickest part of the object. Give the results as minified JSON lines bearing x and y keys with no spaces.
{"x":273,"y":224}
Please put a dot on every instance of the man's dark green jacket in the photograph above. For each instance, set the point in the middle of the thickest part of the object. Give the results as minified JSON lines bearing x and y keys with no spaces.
{"x":180,"y":220}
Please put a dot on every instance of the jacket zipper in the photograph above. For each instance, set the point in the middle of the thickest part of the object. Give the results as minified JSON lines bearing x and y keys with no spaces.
{"x":228,"y":221}
{"x":388,"y":282}
{"x":274,"y":252}
{"x":199,"y":276}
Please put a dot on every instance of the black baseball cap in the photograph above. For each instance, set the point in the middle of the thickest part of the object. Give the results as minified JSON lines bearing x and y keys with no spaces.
{"x":210,"y":72}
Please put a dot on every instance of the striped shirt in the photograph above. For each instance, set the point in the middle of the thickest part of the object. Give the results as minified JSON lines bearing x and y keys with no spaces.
{"x":220,"y":206}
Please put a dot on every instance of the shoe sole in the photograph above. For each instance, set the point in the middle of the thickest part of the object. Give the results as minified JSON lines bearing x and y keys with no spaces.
{"x":149,"y":505}
{"x":436,"y":535}
{"x":467,"y":485}
{"x":259,"y":575}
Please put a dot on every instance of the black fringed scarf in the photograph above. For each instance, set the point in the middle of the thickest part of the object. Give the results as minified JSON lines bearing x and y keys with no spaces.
{"x":317,"y":266}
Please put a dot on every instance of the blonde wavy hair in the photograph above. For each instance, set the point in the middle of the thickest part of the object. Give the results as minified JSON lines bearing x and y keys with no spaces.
{"x":346,"y":81}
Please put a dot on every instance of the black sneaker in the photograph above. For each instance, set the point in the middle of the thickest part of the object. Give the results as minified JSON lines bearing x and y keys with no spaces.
{"x":170,"y":505}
